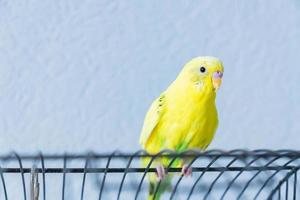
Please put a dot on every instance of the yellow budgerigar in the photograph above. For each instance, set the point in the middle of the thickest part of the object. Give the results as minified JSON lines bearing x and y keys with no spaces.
{"x":183,"y":117}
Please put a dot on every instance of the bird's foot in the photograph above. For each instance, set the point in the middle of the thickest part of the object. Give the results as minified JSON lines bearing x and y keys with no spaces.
{"x":160,"y":172}
{"x":186,"y":170}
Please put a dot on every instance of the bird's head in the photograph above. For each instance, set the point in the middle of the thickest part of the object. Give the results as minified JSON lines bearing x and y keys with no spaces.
{"x":204,"y":72}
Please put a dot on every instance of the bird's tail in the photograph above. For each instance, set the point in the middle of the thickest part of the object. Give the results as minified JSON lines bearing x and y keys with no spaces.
{"x":156,"y":188}
{"x":154,"y":192}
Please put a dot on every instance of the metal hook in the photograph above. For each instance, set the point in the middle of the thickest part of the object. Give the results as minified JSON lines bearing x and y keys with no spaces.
{"x":34,"y":184}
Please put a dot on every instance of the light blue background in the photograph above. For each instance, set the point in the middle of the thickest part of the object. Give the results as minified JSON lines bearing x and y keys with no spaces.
{"x":80,"y":75}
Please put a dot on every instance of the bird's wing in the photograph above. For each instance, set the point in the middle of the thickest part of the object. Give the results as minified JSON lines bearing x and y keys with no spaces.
{"x":152,"y":118}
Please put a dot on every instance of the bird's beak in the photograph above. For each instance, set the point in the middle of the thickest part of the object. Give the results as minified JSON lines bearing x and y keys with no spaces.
{"x":217,"y":79}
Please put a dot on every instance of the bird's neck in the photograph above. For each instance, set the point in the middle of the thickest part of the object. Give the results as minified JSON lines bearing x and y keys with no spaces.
{"x":193,"y":91}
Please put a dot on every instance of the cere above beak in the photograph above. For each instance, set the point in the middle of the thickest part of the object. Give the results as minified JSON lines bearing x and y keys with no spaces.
{"x":217,"y":79}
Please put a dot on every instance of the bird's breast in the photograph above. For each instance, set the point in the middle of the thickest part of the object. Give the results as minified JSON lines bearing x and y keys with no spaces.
{"x":188,"y":124}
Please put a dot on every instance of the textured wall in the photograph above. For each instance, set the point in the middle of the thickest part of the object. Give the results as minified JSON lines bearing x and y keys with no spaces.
{"x":80,"y":75}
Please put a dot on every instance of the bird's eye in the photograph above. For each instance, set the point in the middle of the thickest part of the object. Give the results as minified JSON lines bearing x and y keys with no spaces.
{"x":202,"y":69}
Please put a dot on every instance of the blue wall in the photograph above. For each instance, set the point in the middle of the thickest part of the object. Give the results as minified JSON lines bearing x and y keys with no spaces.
{"x":80,"y":75}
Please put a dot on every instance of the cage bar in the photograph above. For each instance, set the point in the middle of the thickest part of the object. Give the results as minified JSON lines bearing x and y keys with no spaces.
{"x":217,"y":174}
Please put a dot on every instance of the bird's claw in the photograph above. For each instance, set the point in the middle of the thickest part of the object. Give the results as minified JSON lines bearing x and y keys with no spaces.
{"x":186,"y":170}
{"x":160,"y":172}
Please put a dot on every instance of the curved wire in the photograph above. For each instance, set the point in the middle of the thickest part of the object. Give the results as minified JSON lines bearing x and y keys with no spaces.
{"x":255,"y":175}
{"x":250,"y":181}
{"x":64,"y":177}
{"x":180,"y":178}
{"x":126,"y":171}
{"x":236,"y":177}
{"x":22,"y":173}
{"x":285,"y":179}
{"x":193,"y":187}
{"x":3,"y":183}
{"x":105,"y":173}
{"x":276,"y":172}
{"x":217,"y":178}
{"x":84,"y":174}
{"x":229,"y":164}
{"x":210,"y":152}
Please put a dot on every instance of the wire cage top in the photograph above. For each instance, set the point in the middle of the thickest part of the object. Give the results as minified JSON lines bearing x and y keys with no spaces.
{"x":236,"y":174}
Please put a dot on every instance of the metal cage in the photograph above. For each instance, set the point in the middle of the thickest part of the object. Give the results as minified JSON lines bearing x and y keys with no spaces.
{"x":236,"y":174}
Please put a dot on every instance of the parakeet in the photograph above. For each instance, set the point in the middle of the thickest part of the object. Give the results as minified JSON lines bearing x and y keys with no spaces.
{"x":183,"y":117}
